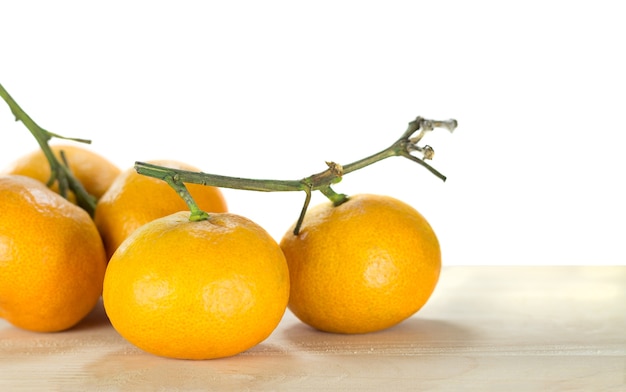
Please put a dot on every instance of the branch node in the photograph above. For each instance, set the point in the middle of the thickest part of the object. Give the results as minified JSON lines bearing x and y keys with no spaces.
{"x":335,"y":168}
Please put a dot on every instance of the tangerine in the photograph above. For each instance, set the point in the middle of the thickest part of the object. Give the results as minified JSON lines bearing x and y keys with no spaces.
{"x":134,"y":199}
{"x":52,"y":260}
{"x":197,"y":290}
{"x":362,"y":266}
{"x":94,"y":172}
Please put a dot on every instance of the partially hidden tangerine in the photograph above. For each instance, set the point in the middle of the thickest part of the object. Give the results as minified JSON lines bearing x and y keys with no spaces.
{"x":133,"y":200}
{"x":95,"y":172}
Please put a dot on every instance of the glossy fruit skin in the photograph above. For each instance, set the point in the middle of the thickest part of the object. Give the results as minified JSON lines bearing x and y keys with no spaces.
{"x":363,"y":266}
{"x":94,"y":172}
{"x":52,"y":260}
{"x":197,"y":290}
{"x":134,"y":200}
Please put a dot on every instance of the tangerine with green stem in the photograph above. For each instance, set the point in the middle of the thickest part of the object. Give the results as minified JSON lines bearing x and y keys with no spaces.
{"x":405,"y":146}
{"x":133,"y":200}
{"x":363,"y":266}
{"x":357,"y":264}
{"x":373,"y":259}
{"x":59,"y":172}
{"x":197,"y":289}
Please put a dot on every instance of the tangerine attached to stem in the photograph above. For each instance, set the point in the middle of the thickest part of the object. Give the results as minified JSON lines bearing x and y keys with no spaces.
{"x":133,"y":200}
{"x":197,"y":290}
{"x":362,"y":266}
{"x":93,"y":171}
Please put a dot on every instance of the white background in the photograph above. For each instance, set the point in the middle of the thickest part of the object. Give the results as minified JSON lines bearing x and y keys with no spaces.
{"x":272,"y":89}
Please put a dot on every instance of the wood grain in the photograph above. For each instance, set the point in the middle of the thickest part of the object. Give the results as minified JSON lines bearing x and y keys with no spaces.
{"x":485,"y":328}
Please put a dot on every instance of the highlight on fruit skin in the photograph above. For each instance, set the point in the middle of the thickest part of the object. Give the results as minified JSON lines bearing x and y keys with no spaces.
{"x":197,"y":290}
{"x":363,"y":266}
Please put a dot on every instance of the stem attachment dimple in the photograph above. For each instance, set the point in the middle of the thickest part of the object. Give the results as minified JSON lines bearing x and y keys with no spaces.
{"x":336,"y":198}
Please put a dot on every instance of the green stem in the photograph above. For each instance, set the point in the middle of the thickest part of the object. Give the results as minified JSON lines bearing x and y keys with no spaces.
{"x":248,"y":184}
{"x":321,"y":181}
{"x":59,"y":171}
{"x":196,"y":213}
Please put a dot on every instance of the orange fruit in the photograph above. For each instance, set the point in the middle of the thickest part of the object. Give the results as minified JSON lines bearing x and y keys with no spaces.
{"x":52,"y":260}
{"x":94,"y":172}
{"x":197,"y":290}
{"x":134,"y":199}
{"x":363,"y":266}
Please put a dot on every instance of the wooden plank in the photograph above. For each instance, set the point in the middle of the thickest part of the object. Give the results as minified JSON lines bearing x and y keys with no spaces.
{"x":485,"y":328}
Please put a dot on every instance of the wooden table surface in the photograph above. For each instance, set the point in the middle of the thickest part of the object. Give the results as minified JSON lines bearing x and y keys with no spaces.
{"x":484,"y":328}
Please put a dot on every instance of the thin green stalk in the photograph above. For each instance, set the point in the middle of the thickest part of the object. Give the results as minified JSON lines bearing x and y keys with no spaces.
{"x":176,"y":178}
{"x":59,"y":171}
{"x":322,"y":181}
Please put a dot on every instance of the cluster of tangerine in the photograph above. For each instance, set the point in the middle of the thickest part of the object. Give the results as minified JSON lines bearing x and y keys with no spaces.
{"x":180,"y":276}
